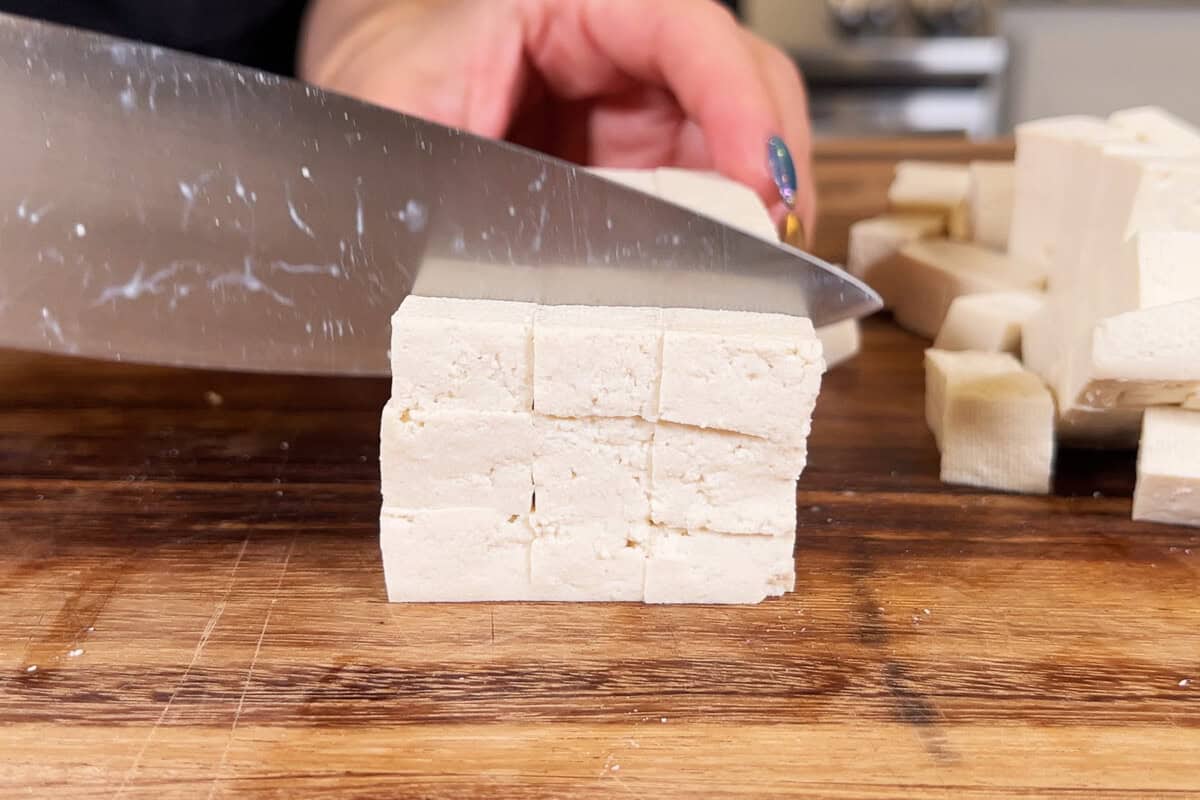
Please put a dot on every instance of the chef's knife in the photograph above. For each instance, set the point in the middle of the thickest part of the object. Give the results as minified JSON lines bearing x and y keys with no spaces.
{"x":164,"y":208}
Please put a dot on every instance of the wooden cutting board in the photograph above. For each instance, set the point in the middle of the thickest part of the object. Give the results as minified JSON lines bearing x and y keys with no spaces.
{"x":191,"y":605}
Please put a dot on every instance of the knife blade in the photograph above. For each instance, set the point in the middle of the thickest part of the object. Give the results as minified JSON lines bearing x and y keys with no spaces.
{"x":164,"y":208}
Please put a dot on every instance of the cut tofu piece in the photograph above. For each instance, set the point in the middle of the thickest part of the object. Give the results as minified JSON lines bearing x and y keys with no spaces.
{"x":1153,"y":268}
{"x":720,"y":481}
{"x":455,"y":459}
{"x":932,"y":186}
{"x":455,"y":555}
{"x":744,"y":372}
{"x":1193,"y":402}
{"x":1159,"y":127}
{"x":589,"y":561}
{"x":640,"y":179}
{"x":1168,"y":472}
{"x":471,"y":355}
{"x":716,"y":196}
{"x":921,"y":280}
{"x":988,"y":322}
{"x":591,"y":469}
{"x":878,"y":238}
{"x":990,"y":202}
{"x":840,"y":342}
{"x":705,"y":567}
{"x":597,"y":361}
{"x":994,"y":421}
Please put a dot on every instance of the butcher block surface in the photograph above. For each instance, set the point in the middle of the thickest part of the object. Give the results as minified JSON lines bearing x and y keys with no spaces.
{"x":192,"y":605}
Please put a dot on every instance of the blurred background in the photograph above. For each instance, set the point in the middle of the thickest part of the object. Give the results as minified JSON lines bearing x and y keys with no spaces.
{"x":886,"y":67}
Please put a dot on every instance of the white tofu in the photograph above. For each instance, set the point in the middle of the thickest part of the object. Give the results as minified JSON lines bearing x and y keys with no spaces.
{"x":996,"y":421}
{"x":1153,"y":268}
{"x":840,"y":342}
{"x":589,"y":561}
{"x":716,"y":196}
{"x":990,"y":202}
{"x":988,"y":322}
{"x":878,"y":238}
{"x":706,"y":567}
{"x":1168,"y":472}
{"x":1156,"y":126}
{"x":921,"y":280}
{"x":455,"y":555}
{"x":740,"y":371}
{"x":640,"y":179}
{"x":720,"y":481}
{"x":591,"y":469}
{"x":462,"y":355}
{"x":1193,"y":402}
{"x":933,"y":186}
{"x":597,"y":361}
{"x":454,"y":459}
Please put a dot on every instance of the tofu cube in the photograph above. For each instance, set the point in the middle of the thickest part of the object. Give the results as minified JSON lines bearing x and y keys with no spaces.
{"x":1158,"y":127}
{"x":472,"y":355}
{"x":932,"y":186}
{"x":591,"y":469}
{"x":989,"y":322}
{"x":592,"y":361}
{"x":874,"y":240}
{"x":993,"y":420}
{"x":744,"y":372}
{"x":840,"y":342}
{"x":720,"y":481}
{"x":990,"y":202}
{"x":718,"y":197}
{"x":589,"y":561}
{"x":1168,"y":471}
{"x":455,"y":555}
{"x":705,"y":567}
{"x":456,"y":459}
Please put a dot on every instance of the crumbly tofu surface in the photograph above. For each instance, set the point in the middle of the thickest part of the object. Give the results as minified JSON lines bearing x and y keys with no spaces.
{"x":589,"y":561}
{"x":714,"y":361}
{"x":931,"y":186}
{"x":455,"y":555}
{"x":874,"y":240}
{"x":989,"y":322}
{"x":721,"y":481}
{"x":840,"y":342}
{"x":705,"y":567}
{"x":716,"y":196}
{"x":1168,"y":472}
{"x":1159,"y":127}
{"x":452,"y":354}
{"x":592,"y":361}
{"x":990,"y":202}
{"x":455,"y":459}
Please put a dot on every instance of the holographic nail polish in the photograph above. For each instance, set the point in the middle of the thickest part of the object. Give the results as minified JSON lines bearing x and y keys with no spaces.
{"x":783,"y":169}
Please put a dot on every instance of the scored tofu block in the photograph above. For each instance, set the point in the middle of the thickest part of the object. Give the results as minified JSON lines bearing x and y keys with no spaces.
{"x":455,"y":459}
{"x":716,"y":196}
{"x":1168,"y":472}
{"x":989,"y":322}
{"x":720,"y":481}
{"x":706,"y":567}
{"x":990,"y":202}
{"x":740,"y":371}
{"x":840,"y":342}
{"x":589,"y":561}
{"x":455,"y":555}
{"x":592,"y":361}
{"x":462,"y":355}
{"x":996,"y":421}
{"x":932,"y":186}
{"x":924,"y":277}
{"x":1158,"y":127}
{"x":591,"y":469}
{"x":878,"y":238}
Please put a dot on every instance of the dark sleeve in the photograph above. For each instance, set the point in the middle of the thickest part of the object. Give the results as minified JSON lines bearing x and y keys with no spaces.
{"x":258,"y":33}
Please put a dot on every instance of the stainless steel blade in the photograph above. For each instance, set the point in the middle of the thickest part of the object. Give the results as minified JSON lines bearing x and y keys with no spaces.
{"x":164,"y":208}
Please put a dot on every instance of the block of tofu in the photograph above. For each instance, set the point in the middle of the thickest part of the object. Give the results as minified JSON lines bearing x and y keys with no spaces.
{"x":454,"y":459}
{"x":716,"y":196}
{"x":597,"y":361}
{"x":591,"y":469}
{"x":994,"y":421}
{"x":706,"y":567}
{"x":920,"y":281}
{"x":989,"y":322}
{"x":990,"y":202}
{"x":462,"y":355}
{"x":455,"y":555}
{"x":1158,"y":127}
{"x":714,"y":362}
{"x":589,"y":561}
{"x":1168,"y":471}
{"x":640,"y":179}
{"x":721,"y":481}
{"x":933,"y":186}
{"x":1152,"y":268}
{"x":840,"y":342}
{"x":878,"y":238}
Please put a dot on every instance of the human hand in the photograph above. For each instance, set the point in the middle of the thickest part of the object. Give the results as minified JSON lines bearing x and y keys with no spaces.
{"x":622,"y":83}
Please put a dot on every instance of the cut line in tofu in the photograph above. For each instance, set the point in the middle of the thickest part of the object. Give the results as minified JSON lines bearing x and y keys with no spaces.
{"x":933,"y":186}
{"x":990,"y":202}
{"x":1168,"y":471}
{"x":874,"y":240}
{"x":989,"y":322}
{"x":705,"y":567}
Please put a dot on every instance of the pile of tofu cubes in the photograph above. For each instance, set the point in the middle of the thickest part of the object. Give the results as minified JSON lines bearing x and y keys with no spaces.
{"x":1062,"y":293}
{"x":582,"y":453}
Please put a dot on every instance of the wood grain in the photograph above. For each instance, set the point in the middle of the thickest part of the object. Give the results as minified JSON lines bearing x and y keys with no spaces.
{"x":200,"y":591}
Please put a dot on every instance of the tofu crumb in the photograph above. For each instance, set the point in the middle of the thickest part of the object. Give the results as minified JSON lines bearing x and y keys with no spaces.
{"x":33,"y":668}
{"x":76,"y":653}
{"x":1183,"y":684}
{"x":213,"y":399}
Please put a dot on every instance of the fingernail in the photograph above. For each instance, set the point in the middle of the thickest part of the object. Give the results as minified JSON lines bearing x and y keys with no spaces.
{"x":783,"y":170}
